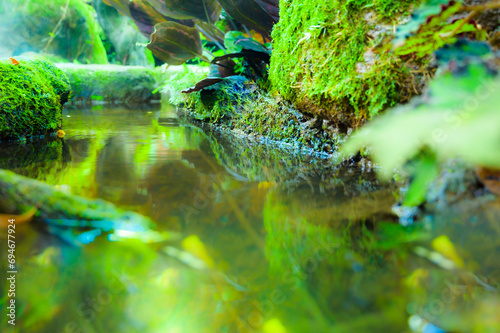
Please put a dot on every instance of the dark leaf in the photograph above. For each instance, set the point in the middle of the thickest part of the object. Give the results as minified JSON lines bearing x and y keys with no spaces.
{"x":203,"y":84}
{"x":271,"y":7}
{"x":259,"y":15}
{"x":146,"y":17}
{"x":211,"y":83}
{"x":184,"y":9}
{"x":226,"y":68}
{"x":247,"y":54}
{"x":210,"y":33}
{"x":175,"y":43}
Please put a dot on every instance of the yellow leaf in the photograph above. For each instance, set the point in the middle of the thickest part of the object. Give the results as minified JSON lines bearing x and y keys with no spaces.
{"x":416,"y":278}
{"x":443,"y":245}
{"x":194,"y":245}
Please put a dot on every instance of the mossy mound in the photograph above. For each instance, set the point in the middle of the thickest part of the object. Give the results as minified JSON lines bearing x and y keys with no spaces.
{"x":32,"y":94}
{"x":65,"y":28}
{"x":111,"y":83}
{"x":330,"y":58}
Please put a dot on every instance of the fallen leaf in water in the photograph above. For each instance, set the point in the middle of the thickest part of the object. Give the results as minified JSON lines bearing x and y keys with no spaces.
{"x":443,"y":245}
{"x":195,"y":246}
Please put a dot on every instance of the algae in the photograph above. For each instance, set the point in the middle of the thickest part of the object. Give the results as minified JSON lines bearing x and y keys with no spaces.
{"x":330,"y":58}
{"x":32,"y":95}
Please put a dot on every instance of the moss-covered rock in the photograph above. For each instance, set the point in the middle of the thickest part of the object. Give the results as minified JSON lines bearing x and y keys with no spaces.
{"x":65,"y":28}
{"x":32,"y":94}
{"x":111,"y":83}
{"x":330,"y":58}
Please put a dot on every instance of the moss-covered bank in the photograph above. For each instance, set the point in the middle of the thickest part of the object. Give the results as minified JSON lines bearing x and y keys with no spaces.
{"x":248,"y":110}
{"x":111,"y":83}
{"x":32,"y":95}
{"x":330,"y":59}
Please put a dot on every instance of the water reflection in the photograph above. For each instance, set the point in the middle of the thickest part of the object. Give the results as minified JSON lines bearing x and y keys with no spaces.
{"x":272,"y":241}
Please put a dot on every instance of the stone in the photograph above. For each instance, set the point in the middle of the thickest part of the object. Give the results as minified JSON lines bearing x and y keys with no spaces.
{"x":32,"y":95}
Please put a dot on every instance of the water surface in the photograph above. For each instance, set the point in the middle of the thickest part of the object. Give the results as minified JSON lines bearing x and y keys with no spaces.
{"x":268,"y":240}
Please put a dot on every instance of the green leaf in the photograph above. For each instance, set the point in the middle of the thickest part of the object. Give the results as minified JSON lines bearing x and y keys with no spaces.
{"x":175,"y":43}
{"x":425,"y":170}
{"x":229,"y":40}
{"x":235,"y":42}
{"x":459,"y":119}
{"x":205,"y":10}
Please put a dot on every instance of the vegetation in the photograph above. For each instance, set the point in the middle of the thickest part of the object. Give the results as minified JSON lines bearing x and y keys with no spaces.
{"x":441,"y":126}
{"x":111,"y":83}
{"x":334,"y":167}
{"x":33,"y":93}
{"x":331,"y":58}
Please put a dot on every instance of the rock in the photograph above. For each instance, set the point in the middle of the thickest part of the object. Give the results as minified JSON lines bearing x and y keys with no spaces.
{"x":32,"y":95}
{"x":111,"y":83}
{"x":329,"y":60}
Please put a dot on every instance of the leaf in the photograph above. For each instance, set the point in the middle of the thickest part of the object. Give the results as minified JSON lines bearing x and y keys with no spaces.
{"x":211,"y":82}
{"x":460,"y":119}
{"x":175,"y":43}
{"x":260,"y":15}
{"x":247,"y":54}
{"x":210,"y":33}
{"x":146,"y":17}
{"x":235,"y":42}
{"x":425,"y":170}
{"x":195,"y":246}
{"x":183,"y":9}
{"x":443,"y":245}
{"x":119,"y":5}
{"x":203,"y":84}
{"x":229,"y":40}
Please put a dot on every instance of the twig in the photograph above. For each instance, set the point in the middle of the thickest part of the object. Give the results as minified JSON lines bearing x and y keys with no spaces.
{"x":63,"y":16}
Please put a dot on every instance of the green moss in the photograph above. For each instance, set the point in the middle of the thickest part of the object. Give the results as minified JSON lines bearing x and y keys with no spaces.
{"x":111,"y":83}
{"x":31,"y":98}
{"x":327,"y":57}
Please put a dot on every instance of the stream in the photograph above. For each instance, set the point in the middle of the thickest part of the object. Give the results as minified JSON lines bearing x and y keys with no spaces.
{"x":264,"y":239}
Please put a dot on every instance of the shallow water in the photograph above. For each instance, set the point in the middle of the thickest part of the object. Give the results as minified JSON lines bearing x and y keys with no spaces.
{"x":265,"y":240}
